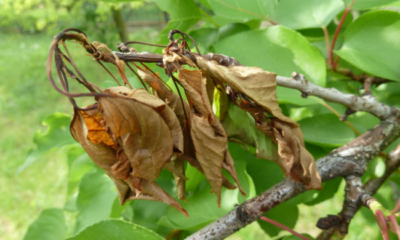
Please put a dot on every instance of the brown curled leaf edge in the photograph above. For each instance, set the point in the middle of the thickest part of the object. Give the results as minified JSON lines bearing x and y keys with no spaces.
{"x":140,"y":146}
{"x":133,"y":134}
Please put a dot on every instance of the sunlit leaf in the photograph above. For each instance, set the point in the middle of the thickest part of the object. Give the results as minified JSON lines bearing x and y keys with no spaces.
{"x":115,"y":229}
{"x":244,"y":9}
{"x":201,"y":205}
{"x":375,"y":55}
{"x":79,"y":163}
{"x":57,"y":136}
{"x":326,"y":130}
{"x":368,"y":4}
{"x":184,"y":14}
{"x":300,"y":14}
{"x":282,"y":51}
{"x":95,"y":198}
{"x":50,"y":225}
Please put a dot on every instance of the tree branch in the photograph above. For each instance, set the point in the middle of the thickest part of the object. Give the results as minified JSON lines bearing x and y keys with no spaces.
{"x":369,"y":189}
{"x":367,"y":103}
{"x":350,"y":159}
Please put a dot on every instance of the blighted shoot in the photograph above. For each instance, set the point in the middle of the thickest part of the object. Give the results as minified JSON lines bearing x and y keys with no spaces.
{"x":133,"y":134}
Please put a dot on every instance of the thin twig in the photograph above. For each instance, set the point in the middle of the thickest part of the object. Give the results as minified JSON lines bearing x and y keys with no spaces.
{"x":335,"y":36}
{"x":327,"y":45}
{"x":268,"y":220}
{"x":366,"y":103}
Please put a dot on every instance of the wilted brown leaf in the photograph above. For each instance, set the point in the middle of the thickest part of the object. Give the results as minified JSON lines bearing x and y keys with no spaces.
{"x":140,"y":130}
{"x":209,"y":137}
{"x":169,"y":97}
{"x":129,"y":187}
{"x":255,"y":83}
{"x":102,"y":155}
{"x":192,"y":81}
{"x":296,"y":161}
{"x":96,"y":130}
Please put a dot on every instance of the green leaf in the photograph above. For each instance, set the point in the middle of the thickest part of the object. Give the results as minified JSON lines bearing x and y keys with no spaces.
{"x":147,"y":214}
{"x":301,"y":14}
{"x":120,"y":1}
{"x":195,"y":178}
{"x":95,"y":198}
{"x":287,"y":95}
{"x":205,"y":3}
{"x":231,"y":29}
{"x":184,"y":14}
{"x":329,"y":190}
{"x":293,"y":237}
{"x":372,"y":44}
{"x":326,"y":130}
{"x":117,"y":209}
{"x":50,"y":225}
{"x":209,"y":36}
{"x":202,"y":206}
{"x":269,"y":175}
{"x":244,"y":9}
{"x":368,"y":4}
{"x":282,"y":51}
{"x":113,"y":229}
{"x":57,"y":136}
{"x":241,"y":125}
{"x":205,"y":37}
{"x":79,"y":163}
{"x":286,"y":214}
{"x":265,"y":174}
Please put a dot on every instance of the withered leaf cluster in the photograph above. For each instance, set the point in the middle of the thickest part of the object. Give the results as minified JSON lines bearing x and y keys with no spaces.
{"x":133,"y":134}
{"x":254,"y":91}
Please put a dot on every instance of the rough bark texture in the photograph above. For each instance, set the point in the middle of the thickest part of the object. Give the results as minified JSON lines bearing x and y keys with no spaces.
{"x":348,"y":160}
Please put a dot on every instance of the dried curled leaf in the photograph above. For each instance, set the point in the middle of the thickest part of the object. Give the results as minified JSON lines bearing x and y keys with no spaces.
{"x":209,"y":137}
{"x":144,"y":127}
{"x":296,"y":161}
{"x":257,"y":84}
{"x":169,"y":97}
{"x":96,"y":130}
{"x":192,"y":81}
{"x":129,"y":188}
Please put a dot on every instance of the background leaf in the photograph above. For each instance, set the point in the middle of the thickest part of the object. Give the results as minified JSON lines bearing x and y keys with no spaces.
{"x":207,"y":37}
{"x":286,"y":213}
{"x":202,"y":206}
{"x":287,"y":95}
{"x":184,"y":14}
{"x":300,"y":14}
{"x":79,"y":163}
{"x":372,"y":44}
{"x":95,"y":198}
{"x":282,"y":51}
{"x":55,"y":137}
{"x":368,"y":4}
{"x":115,"y":229}
{"x":50,"y":225}
{"x":326,"y":130}
{"x":244,"y":9}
